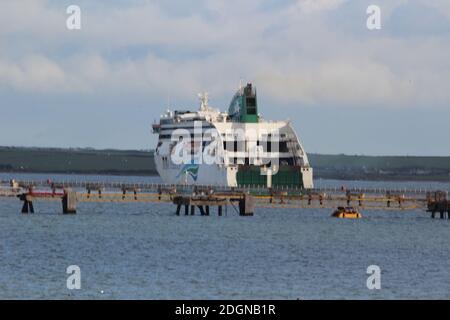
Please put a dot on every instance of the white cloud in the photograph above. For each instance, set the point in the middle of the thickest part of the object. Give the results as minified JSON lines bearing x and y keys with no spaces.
{"x":294,"y":54}
{"x":442,"y":5}
{"x":34,"y":73}
{"x":342,"y":83}
{"x":310,"y":6}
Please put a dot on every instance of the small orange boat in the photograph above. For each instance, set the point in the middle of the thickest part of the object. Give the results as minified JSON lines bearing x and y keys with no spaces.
{"x":346,"y":213}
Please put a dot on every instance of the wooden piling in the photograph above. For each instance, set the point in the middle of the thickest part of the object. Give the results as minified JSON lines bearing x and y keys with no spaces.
{"x":30,"y":205}
{"x":69,"y":202}
{"x":246,"y":205}
{"x":25,"y":207}
{"x":27,"y":204}
{"x":202,"y":211}
{"x":438,"y":203}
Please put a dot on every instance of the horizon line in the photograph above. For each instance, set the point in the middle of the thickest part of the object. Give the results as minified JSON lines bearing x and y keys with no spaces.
{"x":151,"y":150}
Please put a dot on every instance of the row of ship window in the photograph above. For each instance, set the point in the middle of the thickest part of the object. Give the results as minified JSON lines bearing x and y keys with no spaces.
{"x":242,"y":161}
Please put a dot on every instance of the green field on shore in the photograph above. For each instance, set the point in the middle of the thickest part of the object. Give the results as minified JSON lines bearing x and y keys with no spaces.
{"x":361,"y":167}
{"x":54,"y":160}
{"x":133,"y":162}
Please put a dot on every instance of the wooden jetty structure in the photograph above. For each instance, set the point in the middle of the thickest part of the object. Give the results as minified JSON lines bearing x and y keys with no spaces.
{"x":438,"y":202}
{"x":187,"y":199}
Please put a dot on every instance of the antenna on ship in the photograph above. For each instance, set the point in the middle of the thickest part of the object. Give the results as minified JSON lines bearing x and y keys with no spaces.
{"x":203,"y":101}
{"x":168,"y":102}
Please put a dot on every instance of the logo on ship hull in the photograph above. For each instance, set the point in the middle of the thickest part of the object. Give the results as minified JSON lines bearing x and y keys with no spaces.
{"x":189,"y":170}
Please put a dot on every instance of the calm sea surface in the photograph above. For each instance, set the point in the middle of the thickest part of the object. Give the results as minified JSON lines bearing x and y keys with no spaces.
{"x":144,"y":251}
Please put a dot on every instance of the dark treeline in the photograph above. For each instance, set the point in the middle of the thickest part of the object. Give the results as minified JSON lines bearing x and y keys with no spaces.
{"x":134,"y":162}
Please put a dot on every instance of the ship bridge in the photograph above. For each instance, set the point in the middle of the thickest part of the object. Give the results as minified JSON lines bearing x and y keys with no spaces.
{"x":244,"y":105}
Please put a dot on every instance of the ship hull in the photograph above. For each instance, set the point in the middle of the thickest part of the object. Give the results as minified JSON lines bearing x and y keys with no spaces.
{"x":219,"y":175}
{"x":193,"y":174}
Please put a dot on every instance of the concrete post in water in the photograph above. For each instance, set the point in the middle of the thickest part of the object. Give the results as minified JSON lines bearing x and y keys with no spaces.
{"x":247,"y":205}
{"x":69,"y":202}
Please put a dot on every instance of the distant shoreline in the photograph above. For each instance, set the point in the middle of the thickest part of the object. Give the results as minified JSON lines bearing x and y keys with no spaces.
{"x":140,"y":163}
{"x":316,"y":176}
{"x":87,"y":173}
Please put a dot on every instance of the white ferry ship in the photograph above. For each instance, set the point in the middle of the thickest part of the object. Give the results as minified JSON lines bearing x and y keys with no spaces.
{"x":246,"y":149}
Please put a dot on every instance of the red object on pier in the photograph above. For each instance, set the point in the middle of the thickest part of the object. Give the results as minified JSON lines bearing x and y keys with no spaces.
{"x":45,"y":194}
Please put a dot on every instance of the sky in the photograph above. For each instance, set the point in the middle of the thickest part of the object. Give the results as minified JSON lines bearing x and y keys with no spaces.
{"x":346,"y":89}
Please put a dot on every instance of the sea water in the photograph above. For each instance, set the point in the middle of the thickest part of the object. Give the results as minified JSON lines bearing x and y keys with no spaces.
{"x":145,"y":251}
